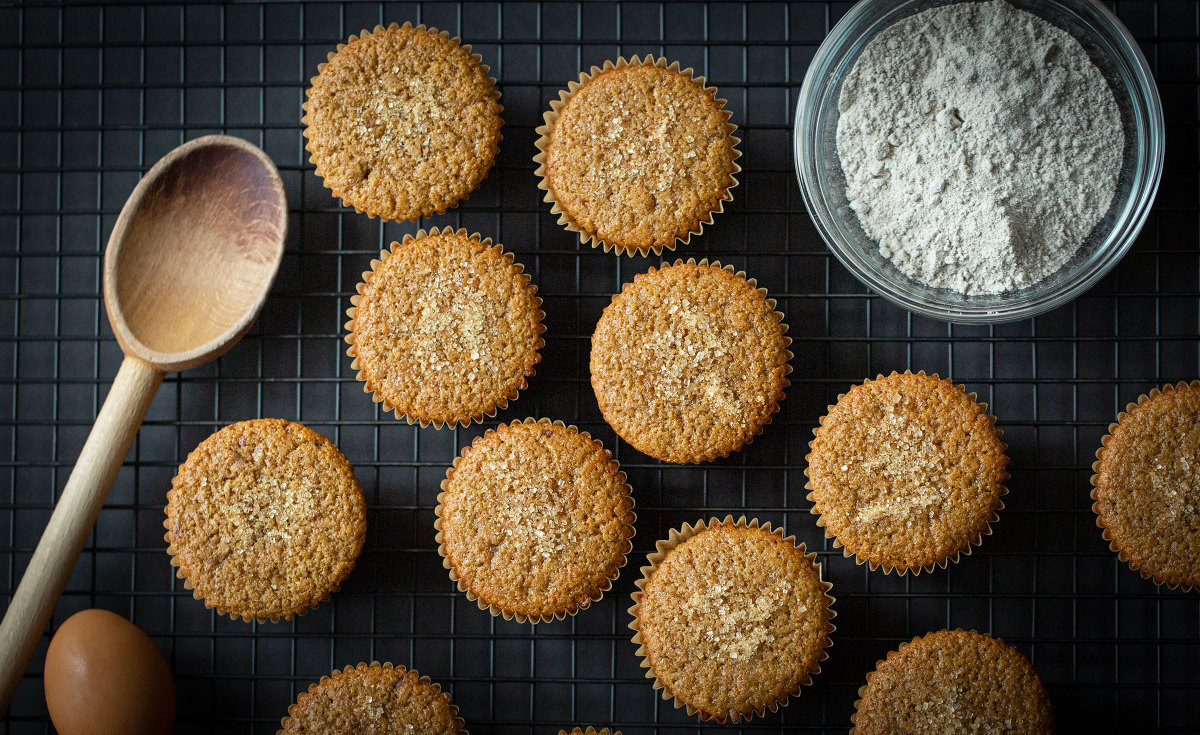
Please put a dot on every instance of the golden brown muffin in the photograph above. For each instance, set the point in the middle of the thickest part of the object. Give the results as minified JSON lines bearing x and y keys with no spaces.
{"x":689,"y":362}
{"x":589,"y":731}
{"x":265,"y":519}
{"x":445,"y":328}
{"x":950,"y":682}
{"x":637,"y":155}
{"x":1147,"y":486}
{"x":534,"y":520}
{"x":731,"y":618}
{"x":402,"y":122}
{"x":906,"y":472}
{"x":375,"y":699}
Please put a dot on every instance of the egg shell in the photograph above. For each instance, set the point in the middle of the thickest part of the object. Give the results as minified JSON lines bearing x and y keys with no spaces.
{"x":104,"y":676}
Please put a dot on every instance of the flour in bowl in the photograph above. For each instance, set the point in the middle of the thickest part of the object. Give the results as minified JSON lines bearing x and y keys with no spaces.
{"x":980,"y":146}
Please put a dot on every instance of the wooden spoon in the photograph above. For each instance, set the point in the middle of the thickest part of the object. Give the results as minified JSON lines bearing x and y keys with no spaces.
{"x":187,"y":268}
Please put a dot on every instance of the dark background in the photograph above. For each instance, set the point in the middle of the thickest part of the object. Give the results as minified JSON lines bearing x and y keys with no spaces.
{"x":91,"y":96}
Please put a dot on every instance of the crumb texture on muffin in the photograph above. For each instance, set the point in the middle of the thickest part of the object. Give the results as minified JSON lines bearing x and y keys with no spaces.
{"x":733,"y":620}
{"x":376,"y":699}
{"x":265,"y":519}
{"x":907,"y":471}
{"x":1147,"y":485}
{"x":689,"y":362}
{"x":639,"y":155}
{"x":535,"y":520}
{"x":402,"y":122}
{"x":446,"y":329}
{"x":953,"y":681}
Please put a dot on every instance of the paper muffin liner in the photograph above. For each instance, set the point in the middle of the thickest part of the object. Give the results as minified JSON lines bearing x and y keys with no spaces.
{"x":478,"y":58}
{"x":781,"y":391}
{"x":551,"y":116}
{"x":459,"y":724}
{"x":502,"y":403}
{"x":862,"y":690}
{"x":1157,"y":577}
{"x":953,"y":558}
{"x":221,"y":610}
{"x":663,"y":547}
{"x":571,"y":610}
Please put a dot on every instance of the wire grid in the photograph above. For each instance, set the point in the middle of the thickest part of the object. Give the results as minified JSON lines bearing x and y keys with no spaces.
{"x":91,"y":96}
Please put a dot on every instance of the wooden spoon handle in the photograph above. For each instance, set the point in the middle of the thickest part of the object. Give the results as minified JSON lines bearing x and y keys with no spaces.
{"x":69,"y":526}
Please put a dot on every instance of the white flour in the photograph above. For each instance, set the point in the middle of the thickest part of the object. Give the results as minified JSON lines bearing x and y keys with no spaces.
{"x":980,"y":146}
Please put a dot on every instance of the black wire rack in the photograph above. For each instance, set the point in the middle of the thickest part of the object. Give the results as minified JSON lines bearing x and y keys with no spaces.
{"x":91,"y":96}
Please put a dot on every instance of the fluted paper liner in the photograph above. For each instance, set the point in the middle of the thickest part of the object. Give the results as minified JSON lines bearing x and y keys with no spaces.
{"x":551,"y":116}
{"x":1155,"y":576}
{"x":478,"y":58}
{"x":459,"y":725}
{"x":502,"y":403}
{"x":942,"y":564}
{"x":779,"y":394}
{"x":663,"y":548}
{"x":570,"y":610}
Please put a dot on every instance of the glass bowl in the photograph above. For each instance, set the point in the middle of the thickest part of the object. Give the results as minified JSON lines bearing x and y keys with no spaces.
{"x":823,"y":184}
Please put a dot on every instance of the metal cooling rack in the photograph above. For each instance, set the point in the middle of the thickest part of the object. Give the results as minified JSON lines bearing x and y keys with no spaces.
{"x":91,"y":96}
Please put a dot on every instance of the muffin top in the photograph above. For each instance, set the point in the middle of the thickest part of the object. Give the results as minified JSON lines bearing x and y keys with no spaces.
{"x":953,"y":681}
{"x":589,"y":731}
{"x":906,"y":471}
{"x":445,"y":329}
{"x":733,"y":619}
{"x":375,"y":699}
{"x":265,"y":519}
{"x":402,"y":122}
{"x":689,"y":362}
{"x":1147,"y":485}
{"x":535,"y":520}
{"x":640,"y":155}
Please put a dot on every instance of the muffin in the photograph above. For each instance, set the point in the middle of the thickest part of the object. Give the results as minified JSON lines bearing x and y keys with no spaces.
{"x":953,"y":681}
{"x":1147,"y":486}
{"x":906,"y":472}
{"x":589,"y":731}
{"x":534,"y":520}
{"x":376,"y":699}
{"x":731,"y":618}
{"x":265,"y":519}
{"x":445,"y":328}
{"x":689,"y":362}
{"x":637,"y":155}
{"x":402,"y":122}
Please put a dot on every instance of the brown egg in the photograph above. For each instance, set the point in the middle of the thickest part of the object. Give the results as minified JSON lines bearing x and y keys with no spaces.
{"x":104,"y":676}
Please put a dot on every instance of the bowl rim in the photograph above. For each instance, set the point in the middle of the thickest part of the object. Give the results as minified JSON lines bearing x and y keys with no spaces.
{"x":1148,"y":124}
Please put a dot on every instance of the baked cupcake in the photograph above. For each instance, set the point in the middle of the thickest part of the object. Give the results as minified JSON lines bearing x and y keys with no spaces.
{"x":265,"y":520}
{"x":402,"y":122}
{"x":376,"y":699}
{"x":589,"y":731}
{"x":731,"y":618}
{"x":637,"y":155}
{"x":689,"y":362}
{"x":445,"y":328}
{"x":906,"y":472}
{"x":953,"y":681}
{"x":534,"y":520}
{"x":1147,"y":486}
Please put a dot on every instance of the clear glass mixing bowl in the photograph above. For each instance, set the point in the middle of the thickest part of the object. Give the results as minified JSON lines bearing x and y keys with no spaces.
{"x":823,"y":184}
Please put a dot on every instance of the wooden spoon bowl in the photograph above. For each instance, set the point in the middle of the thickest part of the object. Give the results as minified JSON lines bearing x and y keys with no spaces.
{"x":193,"y":254}
{"x":188,"y":266}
